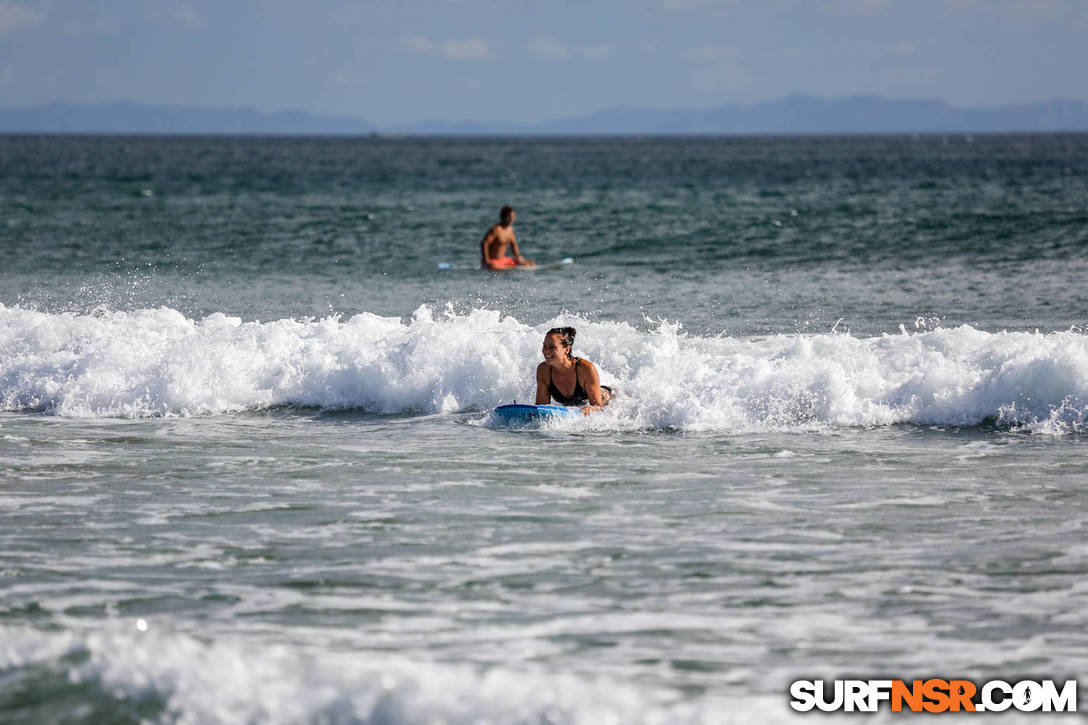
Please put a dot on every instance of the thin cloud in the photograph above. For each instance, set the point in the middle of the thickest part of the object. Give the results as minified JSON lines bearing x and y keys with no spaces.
{"x":1020,"y":8}
{"x":721,"y":78}
{"x":468,"y":49}
{"x":717,"y":68}
{"x":471,"y":49}
{"x":713,"y":53}
{"x":699,"y":7}
{"x":186,"y":15}
{"x":912,"y":79}
{"x":548,"y":48}
{"x":649,"y":46}
{"x":13,"y":17}
{"x":349,"y":78}
{"x":597,"y":52}
{"x":1043,"y":8}
{"x":417,"y":44}
{"x":100,"y":26}
{"x":183,"y":15}
{"x":856,"y":7}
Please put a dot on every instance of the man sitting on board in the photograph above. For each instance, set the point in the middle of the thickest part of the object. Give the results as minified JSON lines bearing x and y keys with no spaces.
{"x":498,"y":238}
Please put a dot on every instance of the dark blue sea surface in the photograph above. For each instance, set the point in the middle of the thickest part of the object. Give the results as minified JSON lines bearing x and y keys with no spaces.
{"x":754,"y":235}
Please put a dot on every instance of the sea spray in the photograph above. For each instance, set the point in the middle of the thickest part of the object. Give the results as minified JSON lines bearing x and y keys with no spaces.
{"x":158,"y":362}
{"x":120,"y":668}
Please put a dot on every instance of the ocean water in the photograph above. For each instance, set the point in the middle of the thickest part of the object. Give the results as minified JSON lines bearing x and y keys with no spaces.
{"x":248,"y":475}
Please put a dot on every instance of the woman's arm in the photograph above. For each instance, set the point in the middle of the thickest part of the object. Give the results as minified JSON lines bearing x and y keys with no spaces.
{"x":543,"y":397}
{"x":591,"y":382}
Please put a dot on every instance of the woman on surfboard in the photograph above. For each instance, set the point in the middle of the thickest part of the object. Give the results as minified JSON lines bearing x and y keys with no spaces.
{"x":498,"y":238}
{"x":569,"y":380}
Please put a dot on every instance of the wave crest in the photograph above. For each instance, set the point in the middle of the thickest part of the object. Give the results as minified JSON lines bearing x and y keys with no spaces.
{"x":159,"y":362}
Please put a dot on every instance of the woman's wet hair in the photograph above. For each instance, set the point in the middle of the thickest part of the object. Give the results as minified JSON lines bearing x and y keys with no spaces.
{"x":566,"y":335}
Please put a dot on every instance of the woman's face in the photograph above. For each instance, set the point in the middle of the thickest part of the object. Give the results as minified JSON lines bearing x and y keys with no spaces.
{"x":554,"y":350}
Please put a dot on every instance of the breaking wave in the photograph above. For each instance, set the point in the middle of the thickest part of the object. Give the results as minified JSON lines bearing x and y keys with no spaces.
{"x":157,"y":362}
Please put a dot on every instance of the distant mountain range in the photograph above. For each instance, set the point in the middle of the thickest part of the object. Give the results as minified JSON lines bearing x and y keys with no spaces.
{"x":138,"y":118}
{"x":795,"y":114}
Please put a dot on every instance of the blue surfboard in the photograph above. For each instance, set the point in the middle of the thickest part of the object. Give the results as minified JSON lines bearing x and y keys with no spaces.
{"x":532,"y":414}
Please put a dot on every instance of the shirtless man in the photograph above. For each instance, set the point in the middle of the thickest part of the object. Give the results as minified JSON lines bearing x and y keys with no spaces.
{"x":498,"y":238}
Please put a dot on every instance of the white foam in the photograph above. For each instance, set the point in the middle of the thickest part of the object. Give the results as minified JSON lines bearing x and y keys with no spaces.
{"x":230,"y":681}
{"x":158,"y":362}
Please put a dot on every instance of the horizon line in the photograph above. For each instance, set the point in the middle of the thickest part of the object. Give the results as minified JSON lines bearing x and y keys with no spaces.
{"x":331,"y":115}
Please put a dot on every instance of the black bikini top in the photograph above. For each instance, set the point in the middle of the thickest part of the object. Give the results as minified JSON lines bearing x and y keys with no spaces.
{"x":577,"y":396}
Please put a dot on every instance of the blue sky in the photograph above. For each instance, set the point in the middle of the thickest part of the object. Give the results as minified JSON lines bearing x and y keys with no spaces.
{"x":412,"y":60}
